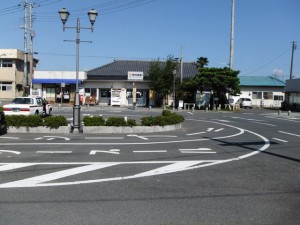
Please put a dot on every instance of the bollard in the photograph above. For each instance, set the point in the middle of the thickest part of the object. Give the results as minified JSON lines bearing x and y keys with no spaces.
{"x":279,"y":112}
{"x":289,"y":112}
{"x":206,"y":109}
{"x":125,"y":118}
{"x":59,"y":106}
{"x":193,"y":109}
{"x":150,"y":108}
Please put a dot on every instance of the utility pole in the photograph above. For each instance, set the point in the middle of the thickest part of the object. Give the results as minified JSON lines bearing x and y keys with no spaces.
{"x":32,"y":34}
{"x":232,"y":35}
{"x":25,"y":78}
{"x":181,"y":64}
{"x":292,"y":60}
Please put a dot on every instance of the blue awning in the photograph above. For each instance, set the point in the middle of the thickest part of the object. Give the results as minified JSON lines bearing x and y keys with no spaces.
{"x":55,"y":81}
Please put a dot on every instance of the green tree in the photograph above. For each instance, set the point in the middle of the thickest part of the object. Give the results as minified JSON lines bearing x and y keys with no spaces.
{"x":202,"y":62}
{"x":220,"y":81}
{"x":161,"y":75}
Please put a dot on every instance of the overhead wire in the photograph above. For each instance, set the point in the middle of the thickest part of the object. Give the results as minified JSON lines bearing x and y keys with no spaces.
{"x":265,"y":65}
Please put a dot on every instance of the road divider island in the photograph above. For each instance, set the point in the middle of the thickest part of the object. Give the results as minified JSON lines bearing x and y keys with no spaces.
{"x":92,"y":124}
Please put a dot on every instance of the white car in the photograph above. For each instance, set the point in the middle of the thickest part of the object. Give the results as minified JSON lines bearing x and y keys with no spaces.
{"x":27,"y":106}
{"x":245,"y":102}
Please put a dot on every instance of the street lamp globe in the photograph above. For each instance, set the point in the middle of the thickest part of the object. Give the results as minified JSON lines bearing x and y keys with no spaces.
{"x":64,"y":15}
{"x":92,"y":16}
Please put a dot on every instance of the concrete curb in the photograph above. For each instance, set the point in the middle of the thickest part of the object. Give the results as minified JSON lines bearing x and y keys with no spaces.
{"x":128,"y":130}
{"x":42,"y":130}
{"x":94,"y":130}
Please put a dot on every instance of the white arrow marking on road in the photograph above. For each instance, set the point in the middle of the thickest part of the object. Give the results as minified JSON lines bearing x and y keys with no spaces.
{"x":50,"y":138}
{"x":112,"y":151}
{"x":9,"y":151}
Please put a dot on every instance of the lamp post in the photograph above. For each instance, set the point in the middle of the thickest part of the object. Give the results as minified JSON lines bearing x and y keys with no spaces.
{"x":64,"y":15}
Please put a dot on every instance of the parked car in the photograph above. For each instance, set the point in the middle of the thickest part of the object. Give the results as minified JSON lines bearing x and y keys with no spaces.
{"x":28,"y":106}
{"x":245,"y":102}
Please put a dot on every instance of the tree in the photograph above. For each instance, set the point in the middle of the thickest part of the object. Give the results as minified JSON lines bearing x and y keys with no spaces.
{"x":202,"y":62}
{"x":161,"y":78}
{"x":220,"y":81}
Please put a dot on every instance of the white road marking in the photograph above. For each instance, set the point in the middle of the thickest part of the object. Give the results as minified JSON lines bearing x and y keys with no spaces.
{"x":103,"y":138}
{"x":54,"y":152}
{"x":277,"y":139}
{"x":13,"y":166}
{"x":178,"y":165}
{"x":285,"y":119}
{"x":194,"y":149}
{"x":209,"y":129}
{"x":134,"y":135}
{"x":35,"y":181}
{"x":190,"y":113}
{"x":195,"y":133}
{"x":112,"y":151}
{"x":149,"y":151}
{"x":197,"y":151}
{"x":9,"y":151}
{"x":289,"y":133}
{"x":224,"y":121}
{"x":219,"y":130}
{"x":52,"y":138}
{"x":10,"y":137}
{"x":267,"y":124}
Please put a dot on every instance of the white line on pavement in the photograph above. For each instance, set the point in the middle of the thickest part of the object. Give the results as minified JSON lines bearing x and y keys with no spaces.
{"x":289,"y":133}
{"x":54,"y":152}
{"x":149,"y":151}
{"x":277,"y":139}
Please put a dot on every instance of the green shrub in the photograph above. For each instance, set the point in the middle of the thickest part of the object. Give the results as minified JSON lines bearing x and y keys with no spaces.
{"x":116,"y":121}
{"x":147,"y":121}
{"x":55,"y":121}
{"x":166,"y":113}
{"x":93,"y":121}
{"x":1,"y":108}
{"x":131,"y":122}
{"x":23,"y":121}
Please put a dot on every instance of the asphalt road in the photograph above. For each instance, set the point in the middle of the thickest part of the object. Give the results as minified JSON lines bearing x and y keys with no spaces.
{"x":219,"y":168}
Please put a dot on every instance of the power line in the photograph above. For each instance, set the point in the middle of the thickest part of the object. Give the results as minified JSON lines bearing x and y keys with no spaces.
{"x":268,"y":63}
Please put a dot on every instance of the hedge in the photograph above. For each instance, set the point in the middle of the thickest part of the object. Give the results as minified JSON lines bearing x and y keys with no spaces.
{"x":35,"y":121}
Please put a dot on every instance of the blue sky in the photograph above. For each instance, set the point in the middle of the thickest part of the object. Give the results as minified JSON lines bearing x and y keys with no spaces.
{"x":152,"y":29}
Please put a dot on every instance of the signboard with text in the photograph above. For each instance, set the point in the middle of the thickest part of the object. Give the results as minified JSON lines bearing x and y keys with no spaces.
{"x":135,"y":75}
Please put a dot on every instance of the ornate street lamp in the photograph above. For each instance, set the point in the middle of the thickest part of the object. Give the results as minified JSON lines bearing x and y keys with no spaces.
{"x":64,"y":15}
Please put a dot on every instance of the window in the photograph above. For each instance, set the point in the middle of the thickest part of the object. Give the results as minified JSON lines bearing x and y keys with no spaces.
{"x":5,"y":86}
{"x":278,"y":97}
{"x":256,"y":95}
{"x":6,"y":63}
{"x":268,"y":95}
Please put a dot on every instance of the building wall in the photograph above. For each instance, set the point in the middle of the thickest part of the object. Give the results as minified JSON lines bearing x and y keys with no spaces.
{"x":13,"y":74}
{"x":263,"y":96}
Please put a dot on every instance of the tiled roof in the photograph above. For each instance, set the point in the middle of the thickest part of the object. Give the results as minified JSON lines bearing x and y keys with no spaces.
{"x":261,"y":81}
{"x":118,"y":70}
